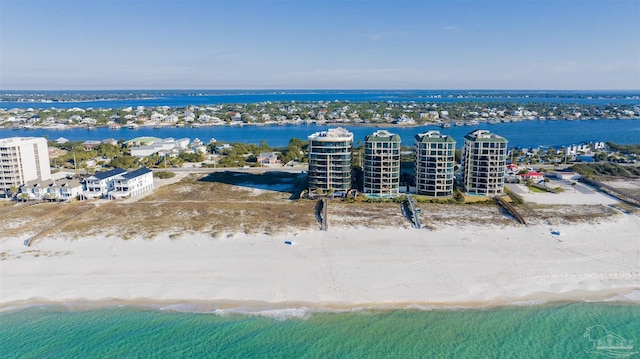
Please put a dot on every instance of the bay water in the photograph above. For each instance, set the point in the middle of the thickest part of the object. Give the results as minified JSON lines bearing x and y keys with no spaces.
{"x":525,"y":134}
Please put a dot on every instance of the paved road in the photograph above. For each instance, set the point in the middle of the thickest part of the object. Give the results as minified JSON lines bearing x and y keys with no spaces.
{"x":515,"y":188}
{"x":584,"y":189}
{"x":288,"y":169}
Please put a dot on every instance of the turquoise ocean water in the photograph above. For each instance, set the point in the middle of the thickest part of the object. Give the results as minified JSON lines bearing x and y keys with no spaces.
{"x":533,"y":331}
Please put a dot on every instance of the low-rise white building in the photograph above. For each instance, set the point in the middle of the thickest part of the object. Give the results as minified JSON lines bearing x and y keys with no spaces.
{"x":132,"y":183}
{"x":60,"y":190}
{"x":163,"y":146}
{"x":566,"y":176}
{"x":118,"y":183}
{"x":69,"y":189}
{"x":101,"y":183}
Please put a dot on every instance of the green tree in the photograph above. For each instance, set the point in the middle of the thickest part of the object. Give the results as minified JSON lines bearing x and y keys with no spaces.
{"x":124,"y":161}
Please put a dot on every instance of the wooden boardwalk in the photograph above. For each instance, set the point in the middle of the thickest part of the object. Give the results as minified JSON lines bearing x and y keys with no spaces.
{"x":415,"y":219}
{"x":510,"y":208}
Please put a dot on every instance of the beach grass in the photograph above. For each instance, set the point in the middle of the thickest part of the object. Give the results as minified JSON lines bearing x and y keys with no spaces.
{"x":229,"y":202}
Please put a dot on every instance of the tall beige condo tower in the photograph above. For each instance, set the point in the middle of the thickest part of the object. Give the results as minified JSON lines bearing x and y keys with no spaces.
{"x":330,"y":160}
{"x":434,"y":160}
{"x":484,"y":160}
{"x":382,"y":163}
{"x":22,"y":159}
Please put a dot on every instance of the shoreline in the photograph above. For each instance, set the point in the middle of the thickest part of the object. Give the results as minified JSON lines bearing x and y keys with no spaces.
{"x":622,"y":296}
{"x":450,"y":123}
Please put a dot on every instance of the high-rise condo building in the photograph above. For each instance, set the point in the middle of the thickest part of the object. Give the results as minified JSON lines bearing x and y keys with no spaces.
{"x":434,"y":163}
{"x":484,"y":160}
{"x":22,"y":159}
{"x":330,"y":160}
{"x":382,"y":163}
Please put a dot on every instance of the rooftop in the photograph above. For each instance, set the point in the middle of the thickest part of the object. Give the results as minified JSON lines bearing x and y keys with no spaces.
{"x":14,"y":140}
{"x":484,"y":136}
{"x":332,"y":134}
{"x":107,"y":174}
{"x":136,"y":173}
{"x":383,"y":136}
{"x":433,"y":136}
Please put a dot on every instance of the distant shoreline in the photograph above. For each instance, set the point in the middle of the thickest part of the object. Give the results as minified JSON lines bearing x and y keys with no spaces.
{"x":451,"y":123}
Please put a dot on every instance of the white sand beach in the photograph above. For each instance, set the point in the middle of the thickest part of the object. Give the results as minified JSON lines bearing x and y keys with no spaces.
{"x":342,"y":267}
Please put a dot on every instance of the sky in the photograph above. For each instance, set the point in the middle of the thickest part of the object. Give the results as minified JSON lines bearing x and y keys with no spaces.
{"x":320,"y":44}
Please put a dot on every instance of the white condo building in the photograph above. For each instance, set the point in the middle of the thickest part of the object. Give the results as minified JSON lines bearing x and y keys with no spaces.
{"x":434,"y":163}
{"x":330,"y":160}
{"x":22,"y":159}
{"x":484,"y":161}
{"x":382,"y":164}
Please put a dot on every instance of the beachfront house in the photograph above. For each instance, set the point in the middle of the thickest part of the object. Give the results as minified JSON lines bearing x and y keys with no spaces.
{"x":132,"y":183}
{"x":69,"y":189}
{"x":60,"y":190}
{"x":35,"y":190}
{"x":118,"y":183}
{"x":101,"y":183}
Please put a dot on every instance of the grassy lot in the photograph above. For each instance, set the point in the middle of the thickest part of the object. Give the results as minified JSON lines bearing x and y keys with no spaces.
{"x":536,"y":189}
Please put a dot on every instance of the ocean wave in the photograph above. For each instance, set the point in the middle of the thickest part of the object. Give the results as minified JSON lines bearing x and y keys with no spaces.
{"x":632,"y":296}
{"x":284,"y":311}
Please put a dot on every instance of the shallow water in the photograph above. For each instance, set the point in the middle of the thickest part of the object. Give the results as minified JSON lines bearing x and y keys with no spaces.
{"x":535,"y":331}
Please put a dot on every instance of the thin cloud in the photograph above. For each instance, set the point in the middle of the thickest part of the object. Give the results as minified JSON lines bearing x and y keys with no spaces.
{"x":386,"y":35}
{"x":452,"y":28}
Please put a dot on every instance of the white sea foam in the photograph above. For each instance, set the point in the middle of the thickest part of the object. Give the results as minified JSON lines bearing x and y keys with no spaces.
{"x":633,"y":296}
{"x":278,"y":314}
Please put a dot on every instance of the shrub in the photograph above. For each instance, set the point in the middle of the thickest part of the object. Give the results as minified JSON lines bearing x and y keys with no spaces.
{"x":164,"y":174}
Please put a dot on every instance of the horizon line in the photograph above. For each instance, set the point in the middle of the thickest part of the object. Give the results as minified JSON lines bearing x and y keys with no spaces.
{"x":326,"y":89}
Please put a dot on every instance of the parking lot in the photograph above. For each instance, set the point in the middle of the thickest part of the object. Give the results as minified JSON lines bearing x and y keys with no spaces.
{"x":571,"y":194}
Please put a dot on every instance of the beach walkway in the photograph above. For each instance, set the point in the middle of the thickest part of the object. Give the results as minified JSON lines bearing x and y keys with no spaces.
{"x":510,"y":208}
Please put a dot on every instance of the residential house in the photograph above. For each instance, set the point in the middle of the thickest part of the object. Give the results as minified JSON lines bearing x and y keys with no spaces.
{"x":101,"y":183}
{"x":69,"y":189}
{"x":110,"y":141}
{"x":132,"y":183}
{"x":61,"y":190}
{"x":532,"y":176}
{"x":90,"y":145}
{"x":268,"y":158}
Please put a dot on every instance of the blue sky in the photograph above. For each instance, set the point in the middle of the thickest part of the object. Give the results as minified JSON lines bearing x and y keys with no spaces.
{"x":321,"y":44}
